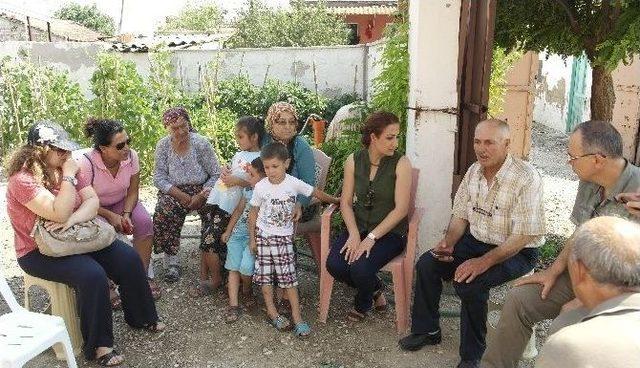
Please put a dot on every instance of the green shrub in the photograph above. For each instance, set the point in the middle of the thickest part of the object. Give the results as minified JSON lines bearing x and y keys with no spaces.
{"x":32,"y":92}
{"x":220,"y":129}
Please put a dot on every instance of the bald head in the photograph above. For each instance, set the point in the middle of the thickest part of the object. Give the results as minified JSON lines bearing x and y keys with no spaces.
{"x":609,"y":247}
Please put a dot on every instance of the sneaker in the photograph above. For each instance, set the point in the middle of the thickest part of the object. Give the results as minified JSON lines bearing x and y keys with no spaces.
{"x":469,"y":364}
{"x":415,"y":342}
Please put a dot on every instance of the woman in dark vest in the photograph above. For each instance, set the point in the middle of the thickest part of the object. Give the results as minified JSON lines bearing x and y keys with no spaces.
{"x":374,"y":205}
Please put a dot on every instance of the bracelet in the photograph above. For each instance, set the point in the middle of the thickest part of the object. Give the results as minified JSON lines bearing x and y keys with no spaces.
{"x":123,"y":212}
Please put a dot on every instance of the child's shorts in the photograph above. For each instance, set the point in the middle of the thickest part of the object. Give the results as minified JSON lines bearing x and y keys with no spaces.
{"x":239,"y":257}
{"x":275,"y":261}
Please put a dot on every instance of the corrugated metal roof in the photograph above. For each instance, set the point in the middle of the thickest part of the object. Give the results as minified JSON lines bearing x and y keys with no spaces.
{"x":208,"y":41}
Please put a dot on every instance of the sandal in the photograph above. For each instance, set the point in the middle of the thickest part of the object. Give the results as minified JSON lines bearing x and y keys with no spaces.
{"x":157,"y":326}
{"x":172,"y":274}
{"x":355,"y":316}
{"x":103,"y":360}
{"x":281,"y":323}
{"x":302,"y":330}
{"x":156,"y":291}
{"x":202,"y":288}
{"x":233,"y":314}
{"x":378,"y":297}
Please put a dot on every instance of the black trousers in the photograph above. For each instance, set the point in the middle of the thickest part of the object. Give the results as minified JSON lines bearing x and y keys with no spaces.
{"x":361,"y":274}
{"x":87,"y":274}
{"x":474,"y":295}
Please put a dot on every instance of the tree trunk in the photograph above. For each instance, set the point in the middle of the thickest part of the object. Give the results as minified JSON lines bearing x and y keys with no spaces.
{"x":603,"y":96}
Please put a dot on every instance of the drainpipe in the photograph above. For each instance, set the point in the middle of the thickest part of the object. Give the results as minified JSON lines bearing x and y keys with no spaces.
{"x":433,"y":101}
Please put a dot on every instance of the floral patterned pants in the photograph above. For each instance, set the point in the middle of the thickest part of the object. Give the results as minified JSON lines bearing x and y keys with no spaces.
{"x":169,"y":216}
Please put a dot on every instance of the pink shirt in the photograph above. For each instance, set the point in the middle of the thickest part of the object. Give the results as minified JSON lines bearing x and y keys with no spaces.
{"x":110,"y":189}
{"x":21,"y":189}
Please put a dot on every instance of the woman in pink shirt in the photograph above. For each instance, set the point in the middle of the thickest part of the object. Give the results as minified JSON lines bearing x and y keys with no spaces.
{"x":43,"y":184}
{"x":113,"y":169}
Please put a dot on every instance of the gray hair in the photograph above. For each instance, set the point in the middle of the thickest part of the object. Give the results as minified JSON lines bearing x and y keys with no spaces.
{"x":600,"y":137}
{"x":609,"y":247}
{"x":502,"y":126}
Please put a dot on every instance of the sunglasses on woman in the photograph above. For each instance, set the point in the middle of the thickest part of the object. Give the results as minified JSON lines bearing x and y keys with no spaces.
{"x":120,"y":146}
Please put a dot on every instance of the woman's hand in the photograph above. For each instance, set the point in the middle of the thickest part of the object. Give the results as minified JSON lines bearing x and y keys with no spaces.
{"x":127,"y":224}
{"x":115,"y":220}
{"x":184,"y":199}
{"x":70,"y":167}
{"x":363,"y":248}
{"x":350,"y":246}
{"x":197,"y":201}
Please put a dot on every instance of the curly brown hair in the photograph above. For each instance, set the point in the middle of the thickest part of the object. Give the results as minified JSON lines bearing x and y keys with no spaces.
{"x":31,"y":158}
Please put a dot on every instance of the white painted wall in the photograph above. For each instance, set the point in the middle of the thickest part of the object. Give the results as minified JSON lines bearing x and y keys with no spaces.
{"x":552,"y":91}
{"x":338,"y":69}
{"x":431,"y":135}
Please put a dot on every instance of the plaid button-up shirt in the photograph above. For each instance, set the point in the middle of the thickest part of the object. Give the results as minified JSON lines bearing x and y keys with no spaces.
{"x":511,"y":205}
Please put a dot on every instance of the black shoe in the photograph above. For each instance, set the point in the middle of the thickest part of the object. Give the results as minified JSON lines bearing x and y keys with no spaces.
{"x":415,"y":342}
{"x":469,"y":364}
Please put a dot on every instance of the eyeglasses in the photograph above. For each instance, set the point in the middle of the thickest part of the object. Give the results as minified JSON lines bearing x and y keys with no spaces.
{"x":570,"y":158}
{"x":120,"y":146}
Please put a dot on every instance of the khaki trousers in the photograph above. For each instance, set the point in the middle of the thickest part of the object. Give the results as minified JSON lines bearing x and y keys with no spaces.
{"x":522,"y":309}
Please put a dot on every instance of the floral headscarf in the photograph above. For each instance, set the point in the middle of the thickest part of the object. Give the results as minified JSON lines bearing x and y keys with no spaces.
{"x":275,"y":111}
{"x":173,"y":113}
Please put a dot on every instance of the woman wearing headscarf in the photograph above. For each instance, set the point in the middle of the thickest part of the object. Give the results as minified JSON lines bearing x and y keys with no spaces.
{"x":186,"y":168}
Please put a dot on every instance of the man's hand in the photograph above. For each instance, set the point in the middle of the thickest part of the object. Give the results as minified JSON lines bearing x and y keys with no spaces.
{"x":546,"y":278}
{"x":470,"y":269}
{"x":574,"y":304}
{"x":442,"y":251}
{"x":631,"y":202}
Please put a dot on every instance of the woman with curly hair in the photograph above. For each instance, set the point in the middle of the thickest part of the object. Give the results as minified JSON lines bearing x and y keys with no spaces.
{"x":43,"y":184}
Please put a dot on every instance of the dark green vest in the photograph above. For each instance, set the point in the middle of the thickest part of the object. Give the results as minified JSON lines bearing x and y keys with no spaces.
{"x":373,"y":200}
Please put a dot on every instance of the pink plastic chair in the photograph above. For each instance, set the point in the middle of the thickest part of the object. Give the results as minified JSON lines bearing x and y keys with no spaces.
{"x":401,"y":267}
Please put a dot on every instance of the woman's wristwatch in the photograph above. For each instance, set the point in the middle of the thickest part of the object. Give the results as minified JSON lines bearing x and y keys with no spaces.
{"x":372,"y":236}
{"x":70,"y":179}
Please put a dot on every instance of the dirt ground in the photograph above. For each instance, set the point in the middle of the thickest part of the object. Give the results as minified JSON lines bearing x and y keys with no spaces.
{"x":196,"y":335}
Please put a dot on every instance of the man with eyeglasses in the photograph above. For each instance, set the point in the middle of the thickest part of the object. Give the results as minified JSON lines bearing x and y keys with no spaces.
{"x":492,"y":238}
{"x":595,"y":155}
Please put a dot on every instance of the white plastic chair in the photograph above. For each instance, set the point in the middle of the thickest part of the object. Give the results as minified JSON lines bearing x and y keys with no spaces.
{"x":24,"y":334}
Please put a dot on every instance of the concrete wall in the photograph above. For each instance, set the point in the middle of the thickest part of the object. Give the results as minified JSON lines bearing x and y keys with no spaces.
{"x":335,"y":70}
{"x":552,"y":91}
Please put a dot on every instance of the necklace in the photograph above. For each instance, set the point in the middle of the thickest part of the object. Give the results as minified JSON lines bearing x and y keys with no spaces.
{"x":372,"y":164}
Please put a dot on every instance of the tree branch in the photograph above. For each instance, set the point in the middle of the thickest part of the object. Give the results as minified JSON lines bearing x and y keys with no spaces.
{"x":573,"y":21}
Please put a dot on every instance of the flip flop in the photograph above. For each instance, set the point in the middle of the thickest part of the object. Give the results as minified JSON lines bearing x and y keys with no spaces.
{"x":355,"y":316}
{"x":104,"y":360}
{"x":302,"y":330}
{"x":232,"y":314}
{"x":376,"y":297}
{"x":155,"y":327}
{"x":281,"y":323}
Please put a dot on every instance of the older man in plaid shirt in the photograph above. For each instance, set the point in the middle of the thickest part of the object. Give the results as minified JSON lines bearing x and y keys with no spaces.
{"x":492,"y":238}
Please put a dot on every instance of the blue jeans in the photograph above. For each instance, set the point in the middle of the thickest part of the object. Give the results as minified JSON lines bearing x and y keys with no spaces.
{"x":473,"y":295}
{"x":87,"y":274}
{"x":361,"y":274}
